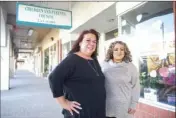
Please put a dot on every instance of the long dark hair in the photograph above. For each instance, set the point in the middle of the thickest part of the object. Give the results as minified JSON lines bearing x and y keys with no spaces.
{"x":76,"y":47}
{"x":127,"y":58}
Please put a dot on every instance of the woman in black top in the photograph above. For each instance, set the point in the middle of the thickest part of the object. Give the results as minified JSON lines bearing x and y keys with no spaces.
{"x":77,"y":82}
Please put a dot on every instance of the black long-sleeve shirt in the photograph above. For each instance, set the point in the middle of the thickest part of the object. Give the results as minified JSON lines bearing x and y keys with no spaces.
{"x":76,"y":78}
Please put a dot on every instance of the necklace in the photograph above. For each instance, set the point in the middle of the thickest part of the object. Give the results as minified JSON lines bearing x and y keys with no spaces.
{"x":94,"y":69}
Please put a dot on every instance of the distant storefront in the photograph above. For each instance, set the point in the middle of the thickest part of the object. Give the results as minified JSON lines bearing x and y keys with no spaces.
{"x":66,"y":47}
{"x":47,"y":54}
{"x":149,"y":31}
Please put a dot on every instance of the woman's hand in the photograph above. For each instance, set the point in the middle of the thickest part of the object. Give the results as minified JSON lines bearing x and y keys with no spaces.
{"x":68,"y":105}
{"x":131,"y":111}
{"x":71,"y":106}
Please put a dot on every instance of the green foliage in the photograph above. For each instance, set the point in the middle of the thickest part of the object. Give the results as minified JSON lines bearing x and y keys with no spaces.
{"x":147,"y":81}
{"x":154,"y":82}
{"x":143,"y":79}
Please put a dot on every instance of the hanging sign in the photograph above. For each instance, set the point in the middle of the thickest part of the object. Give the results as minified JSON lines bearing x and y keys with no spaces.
{"x":43,"y":17}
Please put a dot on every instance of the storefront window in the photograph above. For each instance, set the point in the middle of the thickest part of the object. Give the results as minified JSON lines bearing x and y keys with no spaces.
{"x":46,"y":62}
{"x":65,"y":49}
{"x":152,"y":27}
{"x":112,"y":34}
{"x":53,"y":60}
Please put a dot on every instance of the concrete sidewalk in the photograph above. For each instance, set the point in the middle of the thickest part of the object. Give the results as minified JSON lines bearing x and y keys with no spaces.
{"x":29,"y":97}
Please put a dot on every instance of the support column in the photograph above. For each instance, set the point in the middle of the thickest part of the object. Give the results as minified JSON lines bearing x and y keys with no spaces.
{"x":5,"y":50}
{"x":5,"y":63}
{"x":101,"y":49}
{"x":59,"y":45}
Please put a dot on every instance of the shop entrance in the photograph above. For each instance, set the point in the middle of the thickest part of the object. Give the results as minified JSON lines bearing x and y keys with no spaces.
{"x":46,"y":62}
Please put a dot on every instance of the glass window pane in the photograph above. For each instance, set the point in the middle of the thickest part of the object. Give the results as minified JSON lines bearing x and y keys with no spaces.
{"x":152,"y":27}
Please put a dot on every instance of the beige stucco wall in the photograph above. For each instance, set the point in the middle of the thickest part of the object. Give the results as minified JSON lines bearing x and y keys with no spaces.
{"x":46,"y":43}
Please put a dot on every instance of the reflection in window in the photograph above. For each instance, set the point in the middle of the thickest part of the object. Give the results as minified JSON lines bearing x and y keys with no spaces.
{"x":112,"y":34}
{"x":152,"y":25}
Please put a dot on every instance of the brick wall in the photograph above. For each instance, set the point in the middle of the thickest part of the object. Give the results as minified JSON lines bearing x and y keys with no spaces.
{"x":147,"y":111}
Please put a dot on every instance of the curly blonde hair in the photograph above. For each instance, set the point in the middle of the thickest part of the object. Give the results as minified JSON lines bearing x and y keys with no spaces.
{"x":127,"y":58}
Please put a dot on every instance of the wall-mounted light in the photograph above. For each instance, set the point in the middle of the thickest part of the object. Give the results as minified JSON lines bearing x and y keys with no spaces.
{"x":124,"y":22}
{"x":52,"y":38}
{"x":139,"y":17}
{"x":30,"y":32}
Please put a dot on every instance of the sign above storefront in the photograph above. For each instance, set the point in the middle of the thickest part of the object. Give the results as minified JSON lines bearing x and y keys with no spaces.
{"x":43,"y":17}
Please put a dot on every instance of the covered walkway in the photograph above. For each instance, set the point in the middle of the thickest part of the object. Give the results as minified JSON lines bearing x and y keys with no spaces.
{"x":28,"y":97}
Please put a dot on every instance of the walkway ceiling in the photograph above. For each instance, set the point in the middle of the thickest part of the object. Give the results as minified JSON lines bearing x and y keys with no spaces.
{"x":103,"y":22}
{"x":20,"y":37}
{"x":107,"y":20}
{"x":149,"y":10}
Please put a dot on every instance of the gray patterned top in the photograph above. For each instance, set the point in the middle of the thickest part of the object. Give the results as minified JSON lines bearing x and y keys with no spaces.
{"x":122,"y":88}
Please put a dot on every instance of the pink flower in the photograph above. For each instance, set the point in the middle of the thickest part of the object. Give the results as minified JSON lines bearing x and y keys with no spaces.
{"x":164,"y":72}
{"x":170,"y":80}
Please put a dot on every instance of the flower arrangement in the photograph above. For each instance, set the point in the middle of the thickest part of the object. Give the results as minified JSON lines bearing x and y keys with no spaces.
{"x":168,"y":75}
{"x":162,"y":74}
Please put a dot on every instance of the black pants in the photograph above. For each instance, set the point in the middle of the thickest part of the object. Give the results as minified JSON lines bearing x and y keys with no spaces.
{"x":110,"y":117}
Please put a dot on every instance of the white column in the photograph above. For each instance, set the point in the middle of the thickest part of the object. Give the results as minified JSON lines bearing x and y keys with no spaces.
{"x":101,"y":49}
{"x":5,"y":48}
{"x":5,"y":54}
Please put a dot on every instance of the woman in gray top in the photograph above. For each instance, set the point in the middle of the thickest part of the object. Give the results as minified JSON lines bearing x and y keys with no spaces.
{"x":122,"y":82}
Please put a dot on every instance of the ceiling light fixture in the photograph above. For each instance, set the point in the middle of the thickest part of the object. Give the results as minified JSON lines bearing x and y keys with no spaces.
{"x":30,"y":32}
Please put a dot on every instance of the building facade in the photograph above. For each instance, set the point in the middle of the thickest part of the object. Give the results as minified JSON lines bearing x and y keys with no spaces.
{"x":147,"y":28}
